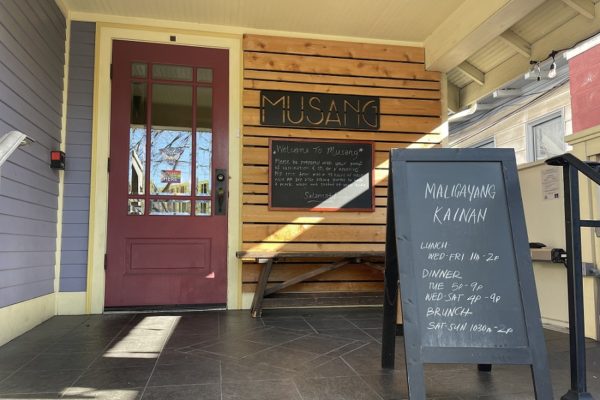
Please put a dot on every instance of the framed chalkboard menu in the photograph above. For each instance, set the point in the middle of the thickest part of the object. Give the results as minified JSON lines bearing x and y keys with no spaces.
{"x":457,"y":243}
{"x":321,"y":175}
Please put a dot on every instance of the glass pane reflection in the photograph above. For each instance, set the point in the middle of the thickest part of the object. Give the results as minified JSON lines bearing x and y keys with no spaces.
{"x":137,"y":159}
{"x":172,"y":72}
{"x":170,"y":207}
{"x":139,"y":97}
{"x":170,"y":168}
{"x":136,"y":207}
{"x":138,"y":70}
{"x":203,"y":162}
{"x":204,"y":75}
{"x":203,"y":208}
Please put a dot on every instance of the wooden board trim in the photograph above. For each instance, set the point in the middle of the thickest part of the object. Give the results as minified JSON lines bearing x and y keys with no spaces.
{"x":251,"y":84}
{"x":330,"y":48}
{"x":337,"y":66}
{"x":359,"y":82}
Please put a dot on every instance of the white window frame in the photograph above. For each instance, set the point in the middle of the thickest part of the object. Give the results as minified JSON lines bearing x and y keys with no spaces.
{"x":530,"y":138}
{"x":487,"y":141}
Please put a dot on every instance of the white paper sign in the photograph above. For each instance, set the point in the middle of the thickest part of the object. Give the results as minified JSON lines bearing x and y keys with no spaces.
{"x":551,"y":183}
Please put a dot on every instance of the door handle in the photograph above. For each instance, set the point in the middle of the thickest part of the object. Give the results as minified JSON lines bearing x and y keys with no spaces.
{"x":221,"y":190}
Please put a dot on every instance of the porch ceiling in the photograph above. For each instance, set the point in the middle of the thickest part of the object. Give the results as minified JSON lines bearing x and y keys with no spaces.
{"x":481,"y":45}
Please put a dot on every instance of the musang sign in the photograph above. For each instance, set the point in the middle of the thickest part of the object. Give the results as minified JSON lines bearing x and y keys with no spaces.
{"x":319,"y":110}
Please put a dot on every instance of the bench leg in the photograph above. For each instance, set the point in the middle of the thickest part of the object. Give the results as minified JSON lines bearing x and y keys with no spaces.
{"x":259,"y":294}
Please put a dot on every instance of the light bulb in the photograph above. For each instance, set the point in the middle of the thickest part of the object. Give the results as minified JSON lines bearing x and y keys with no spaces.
{"x":552,"y":72}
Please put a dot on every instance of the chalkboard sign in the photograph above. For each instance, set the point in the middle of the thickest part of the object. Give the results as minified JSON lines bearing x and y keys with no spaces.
{"x":321,"y":175}
{"x":456,"y":223}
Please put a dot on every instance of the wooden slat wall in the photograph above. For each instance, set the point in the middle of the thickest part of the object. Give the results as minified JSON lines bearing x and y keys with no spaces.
{"x":410,"y":110}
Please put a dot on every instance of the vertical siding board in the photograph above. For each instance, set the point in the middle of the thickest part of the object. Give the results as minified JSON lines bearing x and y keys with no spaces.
{"x":32,"y":56}
{"x":76,"y":200}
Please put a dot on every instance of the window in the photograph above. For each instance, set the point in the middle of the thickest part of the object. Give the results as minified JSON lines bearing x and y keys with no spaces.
{"x":546,"y":137}
{"x":486,"y":144}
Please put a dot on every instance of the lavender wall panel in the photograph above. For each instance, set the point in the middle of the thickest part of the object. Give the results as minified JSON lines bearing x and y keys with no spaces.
{"x":76,"y":203}
{"x":32,"y":58}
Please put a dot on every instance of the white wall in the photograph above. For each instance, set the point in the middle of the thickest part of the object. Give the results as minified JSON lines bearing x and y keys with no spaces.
{"x":508,"y":126}
{"x":546,"y":224}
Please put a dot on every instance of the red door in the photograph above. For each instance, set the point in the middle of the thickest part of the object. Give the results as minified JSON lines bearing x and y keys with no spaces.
{"x":167,"y":217}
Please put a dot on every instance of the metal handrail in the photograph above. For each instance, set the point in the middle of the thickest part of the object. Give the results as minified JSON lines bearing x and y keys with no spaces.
{"x":573,"y":224}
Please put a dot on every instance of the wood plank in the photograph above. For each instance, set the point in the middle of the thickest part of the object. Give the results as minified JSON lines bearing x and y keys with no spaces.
{"x":251,"y":188}
{"x":341,"y":80}
{"x":282,"y":272}
{"x":275,"y":44}
{"x":402,"y":139}
{"x":308,"y":247}
{"x":388,"y":123}
{"x":260,"y":174}
{"x":263,"y":199}
{"x":323,"y":299}
{"x":260,"y":156}
{"x":304,"y":277}
{"x":337,"y":66}
{"x":325,"y":287}
{"x":251,"y":98}
{"x":339,"y":89}
{"x":313,"y":233}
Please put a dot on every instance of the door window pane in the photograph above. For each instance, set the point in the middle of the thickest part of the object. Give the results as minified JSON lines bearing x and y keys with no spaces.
{"x":203,"y":207}
{"x":170,"y":169}
{"x":171,"y":142}
{"x":139,"y":97}
{"x":203,"y":162}
{"x":204,"y":141}
{"x":204,"y":75}
{"x":138,"y":70}
{"x":137,"y":159}
{"x":170,"y":207}
{"x":172,"y":72}
{"x":136,"y":207}
{"x":137,"y":139}
{"x":204,"y":109}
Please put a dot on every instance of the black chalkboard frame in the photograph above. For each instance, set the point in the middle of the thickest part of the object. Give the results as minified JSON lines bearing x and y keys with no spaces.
{"x":369,"y":208}
{"x":400,"y":269}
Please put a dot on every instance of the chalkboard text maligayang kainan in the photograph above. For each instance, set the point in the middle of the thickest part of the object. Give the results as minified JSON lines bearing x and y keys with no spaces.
{"x":462,"y":191}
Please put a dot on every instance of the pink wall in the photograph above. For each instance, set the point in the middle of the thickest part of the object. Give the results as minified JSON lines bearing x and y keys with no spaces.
{"x":585,"y":89}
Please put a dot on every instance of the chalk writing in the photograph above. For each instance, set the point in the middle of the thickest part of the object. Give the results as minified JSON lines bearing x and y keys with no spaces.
{"x":321,"y":175}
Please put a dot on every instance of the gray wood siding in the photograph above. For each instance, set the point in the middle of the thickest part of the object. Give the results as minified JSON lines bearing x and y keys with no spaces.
{"x":73,"y":274}
{"x":32,"y":58}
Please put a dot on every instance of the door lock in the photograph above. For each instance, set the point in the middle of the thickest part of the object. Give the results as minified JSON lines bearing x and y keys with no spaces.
{"x":221,"y":190}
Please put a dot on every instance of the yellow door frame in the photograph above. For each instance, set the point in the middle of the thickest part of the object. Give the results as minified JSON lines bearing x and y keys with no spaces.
{"x":105,"y":34}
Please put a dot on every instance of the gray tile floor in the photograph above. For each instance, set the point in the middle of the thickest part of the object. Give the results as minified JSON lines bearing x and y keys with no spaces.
{"x":225,"y":355}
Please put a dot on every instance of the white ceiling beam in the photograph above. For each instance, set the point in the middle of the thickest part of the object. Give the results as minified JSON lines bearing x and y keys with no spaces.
{"x":565,"y":36}
{"x":472,"y":72}
{"x":583,"y":7}
{"x":470,"y":27}
{"x":453,"y":97}
{"x":517,"y":43}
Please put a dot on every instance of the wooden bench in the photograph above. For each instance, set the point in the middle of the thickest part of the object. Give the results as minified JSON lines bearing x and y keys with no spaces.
{"x":373,"y":259}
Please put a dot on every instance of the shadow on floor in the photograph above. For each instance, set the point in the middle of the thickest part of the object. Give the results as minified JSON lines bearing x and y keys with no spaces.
{"x":213,"y":355}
